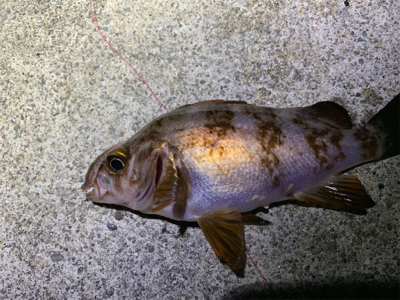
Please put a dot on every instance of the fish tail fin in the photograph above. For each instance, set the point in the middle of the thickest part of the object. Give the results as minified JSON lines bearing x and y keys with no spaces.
{"x":387,"y":121}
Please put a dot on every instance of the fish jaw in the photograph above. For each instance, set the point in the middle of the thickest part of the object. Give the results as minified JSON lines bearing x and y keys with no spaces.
{"x":101,"y":186}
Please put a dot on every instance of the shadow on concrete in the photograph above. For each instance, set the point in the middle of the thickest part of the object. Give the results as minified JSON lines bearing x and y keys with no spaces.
{"x":351,"y":290}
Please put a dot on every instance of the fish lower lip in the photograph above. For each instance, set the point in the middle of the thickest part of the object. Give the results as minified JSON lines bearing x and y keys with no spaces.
{"x":91,"y":194}
{"x":96,"y":194}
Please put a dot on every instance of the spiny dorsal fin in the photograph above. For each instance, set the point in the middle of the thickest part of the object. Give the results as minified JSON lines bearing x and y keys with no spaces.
{"x":343,"y":192}
{"x":166,"y":190}
{"x":215,"y":101}
{"x":225,"y":232}
{"x":332,"y":113}
{"x":249,"y":218}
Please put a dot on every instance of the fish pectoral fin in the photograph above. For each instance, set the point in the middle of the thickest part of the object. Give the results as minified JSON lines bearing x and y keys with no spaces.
{"x":343,"y":192}
{"x":249,"y":218}
{"x":165,"y":191}
{"x":224,"y":231}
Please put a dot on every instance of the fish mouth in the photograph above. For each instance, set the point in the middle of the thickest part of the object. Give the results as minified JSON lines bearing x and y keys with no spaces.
{"x":98,"y":191}
{"x":91,"y":194}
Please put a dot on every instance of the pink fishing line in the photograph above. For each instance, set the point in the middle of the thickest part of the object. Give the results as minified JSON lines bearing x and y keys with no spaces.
{"x":155,"y":97}
{"x":258,"y":270}
{"x":123,"y":58}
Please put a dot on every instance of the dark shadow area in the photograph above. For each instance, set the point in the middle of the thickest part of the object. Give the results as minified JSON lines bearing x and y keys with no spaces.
{"x":339,"y":290}
{"x":183,"y":225}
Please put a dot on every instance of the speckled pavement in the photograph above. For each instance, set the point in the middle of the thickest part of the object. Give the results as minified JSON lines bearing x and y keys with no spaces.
{"x":65,"y":97}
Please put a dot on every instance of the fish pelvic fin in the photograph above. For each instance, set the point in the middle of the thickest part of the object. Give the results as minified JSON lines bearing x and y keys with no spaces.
{"x":343,"y":193}
{"x":224,"y":231}
{"x":387,"y":121}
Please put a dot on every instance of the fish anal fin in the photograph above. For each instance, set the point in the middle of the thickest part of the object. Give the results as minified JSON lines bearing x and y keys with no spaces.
{"x":332,"y":113}
{"x":248,"y":218}
{"x":224,"y":231}
{"x":342,"y":192}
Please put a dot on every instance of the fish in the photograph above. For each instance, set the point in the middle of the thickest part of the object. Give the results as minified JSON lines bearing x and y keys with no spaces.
{"x":215,"y":162}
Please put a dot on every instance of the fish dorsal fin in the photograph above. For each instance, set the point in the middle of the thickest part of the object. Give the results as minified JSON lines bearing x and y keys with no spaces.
{"x":343,"y":192}
{"x":332,"y":113}
{"x":216,"y":101}
{"x":225,"y":232}
{"x":248,"y":218}
{"x":165,"y":191}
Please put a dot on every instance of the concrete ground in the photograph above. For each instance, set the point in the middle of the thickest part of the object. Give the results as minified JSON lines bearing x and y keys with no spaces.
{"x":65,"y":97}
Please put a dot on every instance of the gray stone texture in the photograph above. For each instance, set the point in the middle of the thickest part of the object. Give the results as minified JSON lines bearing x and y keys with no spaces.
{"x":65,"y":97}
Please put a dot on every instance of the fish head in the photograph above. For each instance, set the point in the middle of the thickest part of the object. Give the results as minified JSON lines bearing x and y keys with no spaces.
{"x":125,"y":175}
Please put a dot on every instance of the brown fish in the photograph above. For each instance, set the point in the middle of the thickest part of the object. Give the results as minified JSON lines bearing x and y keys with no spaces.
{"x":216,"y":161}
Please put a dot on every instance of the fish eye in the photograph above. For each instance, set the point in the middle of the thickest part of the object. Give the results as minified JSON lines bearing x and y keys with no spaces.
{"x":116,"y":161}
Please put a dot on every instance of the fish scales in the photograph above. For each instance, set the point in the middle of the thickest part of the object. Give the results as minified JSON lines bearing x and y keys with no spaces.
{"x":214,"y":161}
{"x":231,"y":153}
